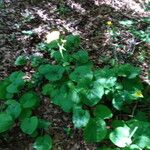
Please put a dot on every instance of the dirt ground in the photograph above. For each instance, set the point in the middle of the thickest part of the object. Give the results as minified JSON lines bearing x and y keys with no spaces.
{"x":86,"y":18}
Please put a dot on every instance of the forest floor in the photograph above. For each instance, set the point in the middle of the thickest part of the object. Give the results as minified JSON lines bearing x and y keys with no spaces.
{"x":86,"y":18}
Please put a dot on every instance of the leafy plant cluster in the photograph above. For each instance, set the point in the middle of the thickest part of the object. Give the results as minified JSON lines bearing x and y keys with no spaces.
{"x":95,"y":97}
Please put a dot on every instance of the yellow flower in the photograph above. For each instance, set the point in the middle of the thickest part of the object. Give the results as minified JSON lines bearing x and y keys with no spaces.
{"x":109,"y":23}
{"x":138,"y":94}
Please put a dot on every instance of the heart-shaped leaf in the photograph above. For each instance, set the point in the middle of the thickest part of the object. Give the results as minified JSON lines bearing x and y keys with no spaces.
{"x":6,"y":122}
{"x":93,"y":94}
{"x":95,"y":131}
{"x":52,"y":72}
{"x":121,"y":136}
{"x":103,"y":112}
{"x":14,"y":109}
{"x":80,"y":73}
{"x":29,"y":100}
{"x":21,"y":60}
{"x":3,"y":86}
{"x":43,"y":143}
{"x":29,"y":125}
{"x":81,"y":56}
{"x":80,"y":117}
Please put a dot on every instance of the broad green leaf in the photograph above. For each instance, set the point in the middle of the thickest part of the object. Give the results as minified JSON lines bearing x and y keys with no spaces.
{"x":103,"y":112}
{"x":47,"y":89}
{"x":118,"y":123}
{"x":3,"y":86}
{"x":62,"y":98}
{"x":143,"y":141}
{"x":127,"y":70}
{"x":107,"y":82}
{"x":16,"y":82}
{"x":93,"y":94}
{"x":36,"y":61}
{"x":17,"y":78}
{"x":72,"y":42}
{"x":80,"y":117}
{"x":43,"y":124}
{"x":132,"y":84}
{"x":132,"y":147}
{"x":12,"y":88}
{"x":25,"y":113}
{"x":6,"y":122}
{"x":14,"y":109}
{"x":81,"y":56}
{"x":29,"y":100}
{"x":43,"y":143}
{"x":118,"y":102}
{"x":95,"y":131}
{"x":21,"y":60}
{"x":52,"y":72}
{"x":105,"y":73}
{"x":125,"y":97}
{"x":29,"y":125}
{"x":121,"y":136}
{"x":74,"y":96}
{"x":81,"y":73}
{"x":142,"y":134}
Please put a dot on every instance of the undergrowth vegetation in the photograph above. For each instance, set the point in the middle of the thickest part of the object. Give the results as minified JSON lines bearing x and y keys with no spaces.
{"x":103,"y":101}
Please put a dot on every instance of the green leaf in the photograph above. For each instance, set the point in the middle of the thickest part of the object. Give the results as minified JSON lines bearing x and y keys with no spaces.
{"x":118,"y":123}
{"x":62,"y":98}
{"x":21,"y":60}
{"x":36,"y":60}
{"x":121,"y":136}
{"x":105,"y":73}
{"x":118,"y":101}
{"x":143,"y":141}
{"x":81,"y":56}
{"x":13,"y":109}
{"x":29,"y":100}
{"x":132,"y":147}
{"x":43,"y":124}
{"x":52,"y":72}
{"x":17,"y":82}
{"x":74,"y":96}
{"x":72,"y":42}
{"x":127,"y":70}
{"x":80,"y":117}
{"x":95,"y":131}
{"x":47,"y":89}
{"x":29,"y":125}
{"x":81,"y":73}
{"x":142,"y":134}
{"x":6,"y":122}
{"x":93,"y":94}
{"x":25,"y":113}
{"x":107,"y":82}
{"x":103,"y":112}
{"x":43,"y":143}
{"x":12,"y":88}
{"x":17,"y":77}
{"x":3,"y":86}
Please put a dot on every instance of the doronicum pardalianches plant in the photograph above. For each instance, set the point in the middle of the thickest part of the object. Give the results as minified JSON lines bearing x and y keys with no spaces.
{"x":94,"y":97}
